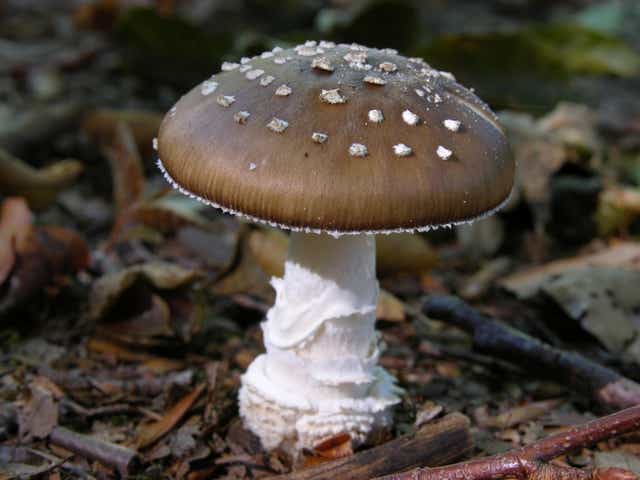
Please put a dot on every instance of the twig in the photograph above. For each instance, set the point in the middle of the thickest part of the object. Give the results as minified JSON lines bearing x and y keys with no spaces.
{"x":146,"y":386}
{"x":123,"y":459}
{"x":529,"y":462}
{"x":115,"y":409}
{"x":605,"y":386}
{"x":436,"y":443}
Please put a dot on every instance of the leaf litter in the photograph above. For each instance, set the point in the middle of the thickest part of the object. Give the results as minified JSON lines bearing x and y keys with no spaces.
{"x":128,"y":312}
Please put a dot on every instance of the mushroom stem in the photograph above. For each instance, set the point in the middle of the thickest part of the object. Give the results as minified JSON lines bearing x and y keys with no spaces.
{"x":319,"y":376}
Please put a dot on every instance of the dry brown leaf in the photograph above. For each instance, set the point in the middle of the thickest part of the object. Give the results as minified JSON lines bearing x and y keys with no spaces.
{"x":542,"y":147}
{"x":49,"y":253}
{"x":116,"y":351}
{"x":526,"y":283}
{"x":101,"y":125}
{"x":390,"y":307}
{"x":38,"y":414}
{"x":15,"y":230}
{"x":170,"y":211}
{"x":126,"y":169}
{"x":150,"y":433}
{"x":97,"y":15}
{"x":339,"y":446}
{"x":478,"y":284}
{"x":482,"y":238}
{"x":538,"y":160}
{"x":448,"y":369}
{"x":618,"y":208}
{"x":613,"y":473}
{"x":572,"y":124}
{"x":154,"y":321}
{"x":38,"y":186}
{"x":404,"y":253}
{"x":522,"y":414}
{"x":335,"y":447}
{"x":269,"y":248}
{"x":248,"y":277}
{"x":48,"y":385}
{"x":162,"y":365}
{"x":161,"y":275}
{"x":428,"y":411}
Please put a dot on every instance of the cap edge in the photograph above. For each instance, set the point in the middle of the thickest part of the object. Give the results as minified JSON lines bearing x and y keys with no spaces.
{"x":284,"y":226}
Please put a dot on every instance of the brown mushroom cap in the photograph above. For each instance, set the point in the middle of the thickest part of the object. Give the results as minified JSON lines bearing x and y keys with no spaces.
{"x":339,"y":138}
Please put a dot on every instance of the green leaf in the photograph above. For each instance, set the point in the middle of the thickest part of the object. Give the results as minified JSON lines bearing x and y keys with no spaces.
{"x":577,"y":49}
{"x":532,"y":67}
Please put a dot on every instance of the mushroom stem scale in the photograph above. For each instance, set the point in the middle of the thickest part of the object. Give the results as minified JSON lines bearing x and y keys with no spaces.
{"x":319,"y":376}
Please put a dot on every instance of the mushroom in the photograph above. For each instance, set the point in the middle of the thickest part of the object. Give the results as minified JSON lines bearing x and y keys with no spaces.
{"x":336,"y":158}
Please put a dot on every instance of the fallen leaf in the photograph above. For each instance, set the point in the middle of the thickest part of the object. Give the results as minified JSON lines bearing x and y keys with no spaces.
{"x":618,"y":208}
{"x":112,"y":349}
{"x":48,"y":254}
{"x":573,"y":125}
{"x":613,"y":473}
{"x":126,"y":169}
{"x":154,"y":321}
{"x":150,"y":433}
{"x":37,"y":414}
{"x":389,"y":308}
{"x":97,"y":15}
{"x":102,"y":125}
{"x":448,"y":369}
{"x":162,"y":365}
{"x":45,"y":383}
{"x":248,"y":276}
{"x":527,"y":283}
{"x":169,"y":211}
{"x":38,"y":186}
{"x":543,"y":146}
{"x":339,"y":446}
{"x":404,"y":253}
{"x":269,"y":248}
{"x":482,"y":238}
{"x":23,"y":463}
{"x":183,"y":440}
{"x":604,"y":300}
{"x":617,"y":458}
{"x":15,"y":230}
{"x":522,"y":414}
{"x":216,"y":246}
{"x":119,"y":352}
{"x":428,"y":411}
{"x":161,"y":275}
{"x":478,"y":284}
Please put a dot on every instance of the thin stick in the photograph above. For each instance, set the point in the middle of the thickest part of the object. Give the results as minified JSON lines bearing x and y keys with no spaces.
{"x":437,"y":443}
{"x":121,"y":458}
{"x":607,"y":387}
{"x":528,"y":461}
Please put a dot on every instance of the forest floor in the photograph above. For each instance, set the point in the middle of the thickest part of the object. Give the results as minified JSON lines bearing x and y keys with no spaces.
{"x":128,"y":312}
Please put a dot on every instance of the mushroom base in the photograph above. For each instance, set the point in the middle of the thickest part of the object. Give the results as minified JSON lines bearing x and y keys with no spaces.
{"x":319,"y":376}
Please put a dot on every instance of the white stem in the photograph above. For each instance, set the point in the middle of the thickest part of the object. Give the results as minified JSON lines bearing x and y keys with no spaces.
{"x":319,"y":376}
